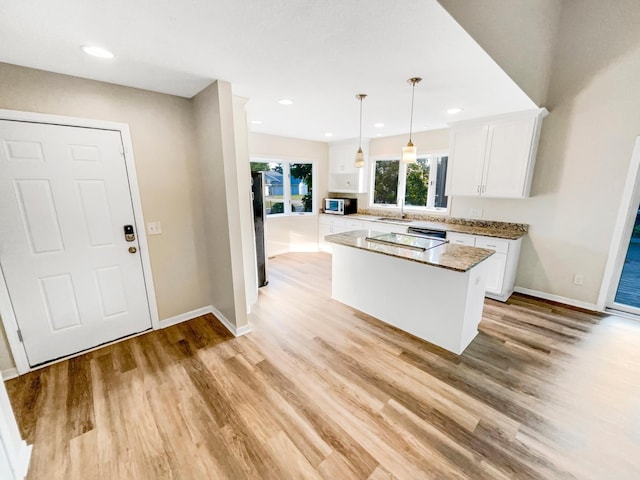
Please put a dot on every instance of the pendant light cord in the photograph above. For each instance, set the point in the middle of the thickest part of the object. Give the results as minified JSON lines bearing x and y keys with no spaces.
{"x":413,"y":91}
{"x":360,"y":141}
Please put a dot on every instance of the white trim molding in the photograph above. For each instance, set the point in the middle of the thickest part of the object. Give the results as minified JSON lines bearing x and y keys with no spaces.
{"x":9,"y":373}
{"x":622,"y":231}
{"x":237,"y":332}
{"x":559,"y":299}
{"x":198,"y":312}
{"x":6,"y":309}
{"x":183,"y":317}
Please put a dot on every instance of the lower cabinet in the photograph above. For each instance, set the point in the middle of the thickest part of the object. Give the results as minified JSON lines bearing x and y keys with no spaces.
{"x":502,"y":265}
{"x":384,"y":227}
{"x":328,"y":225}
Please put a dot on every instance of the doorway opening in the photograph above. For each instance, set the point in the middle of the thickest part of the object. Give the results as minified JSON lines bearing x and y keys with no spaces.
{"x":627,"y":295}
{"x":620,"y":290}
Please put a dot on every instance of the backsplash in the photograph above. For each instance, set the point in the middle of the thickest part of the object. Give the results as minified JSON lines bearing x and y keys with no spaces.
{"x":471,"y":222}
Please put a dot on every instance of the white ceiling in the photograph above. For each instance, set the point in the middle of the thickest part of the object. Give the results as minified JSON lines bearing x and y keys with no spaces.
{"x":319,"y":53}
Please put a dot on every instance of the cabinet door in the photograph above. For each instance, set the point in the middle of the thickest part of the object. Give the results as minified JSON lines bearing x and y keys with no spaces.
{"x":390,"y":228}
{"x":324,"y":230}
{"x":507,"y":160}
{"x":466,"y":162}
{"x":338,"y":225}
{"x":496,"y":264}
{"x":368,"y":225}
{"x":354,"y":225}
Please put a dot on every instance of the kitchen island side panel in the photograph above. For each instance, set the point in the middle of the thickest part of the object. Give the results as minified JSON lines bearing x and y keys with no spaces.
{"x":439,"y":305}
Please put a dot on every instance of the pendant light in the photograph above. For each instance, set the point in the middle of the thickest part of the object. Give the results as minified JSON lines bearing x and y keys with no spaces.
{"x":359,"y":163}
{"x":409,"y":153}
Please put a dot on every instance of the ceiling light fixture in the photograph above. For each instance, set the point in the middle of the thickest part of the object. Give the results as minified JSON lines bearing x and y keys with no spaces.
{"x":359,"y":163}
{"x":97,"y":51}
{"x":378,"y":125}
{"x":256,"y":122}
{"x":328,"y":134}
{"x":409,"y":153}
{"x":454,"y":111}
{"x":285,"y":101}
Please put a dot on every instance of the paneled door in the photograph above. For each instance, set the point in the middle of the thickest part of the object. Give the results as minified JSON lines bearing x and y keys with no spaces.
{"x":74,"y":280}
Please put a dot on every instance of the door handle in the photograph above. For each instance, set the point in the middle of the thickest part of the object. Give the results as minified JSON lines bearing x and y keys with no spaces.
{"x":133,"y":249}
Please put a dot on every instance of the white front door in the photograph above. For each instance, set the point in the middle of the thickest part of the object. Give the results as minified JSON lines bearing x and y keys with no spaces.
{"x":64,"y":202}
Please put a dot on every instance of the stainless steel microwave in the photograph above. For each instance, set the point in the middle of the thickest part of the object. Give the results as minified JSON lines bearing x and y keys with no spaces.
{"x":340,"y":206}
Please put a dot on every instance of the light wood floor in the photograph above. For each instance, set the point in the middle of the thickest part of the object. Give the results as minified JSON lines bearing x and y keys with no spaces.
{"x":318,"y":390}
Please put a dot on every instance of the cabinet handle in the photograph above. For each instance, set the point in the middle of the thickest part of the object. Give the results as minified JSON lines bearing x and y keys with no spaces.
{"x":489,"y":245}
{"x":478,"y":189}
{"x":484,"y":188}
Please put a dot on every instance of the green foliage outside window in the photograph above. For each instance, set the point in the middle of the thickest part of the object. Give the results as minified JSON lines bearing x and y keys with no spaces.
{"x":386,"y":181}
{"x":417,"y":188}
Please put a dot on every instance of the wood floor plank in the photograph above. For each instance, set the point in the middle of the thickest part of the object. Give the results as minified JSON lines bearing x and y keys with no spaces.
{"x":320,"y":390}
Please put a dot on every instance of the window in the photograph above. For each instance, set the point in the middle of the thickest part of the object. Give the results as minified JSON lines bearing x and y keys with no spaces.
{"x":422,"y":183}
{"x":288,"y":186}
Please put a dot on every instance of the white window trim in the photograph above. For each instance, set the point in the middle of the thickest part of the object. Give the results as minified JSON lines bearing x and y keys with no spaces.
{"x":402,"y":181}
{"x":286,"y":162}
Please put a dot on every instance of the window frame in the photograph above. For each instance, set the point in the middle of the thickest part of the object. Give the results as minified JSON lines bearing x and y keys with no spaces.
{"x":286,"y":172}
{"x":402,"y":183}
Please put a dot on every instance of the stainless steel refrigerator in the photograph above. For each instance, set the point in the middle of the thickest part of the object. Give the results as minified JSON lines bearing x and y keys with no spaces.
{"x":257,"y":194}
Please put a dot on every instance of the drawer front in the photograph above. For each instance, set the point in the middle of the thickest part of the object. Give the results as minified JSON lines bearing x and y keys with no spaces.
{"x":498,"y":244}
{"x":338,"y":224}
{"x":354,"y":225}
{"x":461,"y":239}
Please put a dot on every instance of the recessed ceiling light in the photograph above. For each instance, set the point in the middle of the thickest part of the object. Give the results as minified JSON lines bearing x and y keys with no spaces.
{"x":97,"y":51}
{"x":285,"y":101}
{"x":256,"y":122}
{"x":453,"y":111}
{"x":328,"y":134}
{"x":378,"y":134}
{"x":378,"y":125}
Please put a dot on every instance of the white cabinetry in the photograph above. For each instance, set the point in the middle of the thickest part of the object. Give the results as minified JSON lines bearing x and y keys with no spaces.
{"x":502,"y":265}
{"x":388,"y":227}
{"x":353,"y":224}
{"x":344,"y":177}
{"x":494,"y":157}
{"x":328,"y":225}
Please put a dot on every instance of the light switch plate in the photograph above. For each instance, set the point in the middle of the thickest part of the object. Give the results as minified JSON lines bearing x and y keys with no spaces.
{"x":475,"y":212}
{"x":154,"y":228}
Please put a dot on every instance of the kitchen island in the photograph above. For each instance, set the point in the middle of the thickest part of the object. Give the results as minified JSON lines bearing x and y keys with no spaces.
{"x":426,"y":287}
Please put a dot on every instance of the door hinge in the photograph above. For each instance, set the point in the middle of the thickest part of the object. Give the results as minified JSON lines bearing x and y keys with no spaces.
{"x":20,"y":336}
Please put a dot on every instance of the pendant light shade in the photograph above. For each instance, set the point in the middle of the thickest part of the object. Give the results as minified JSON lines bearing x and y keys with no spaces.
{"x":409,"y":153}
{"x":359,"y":161}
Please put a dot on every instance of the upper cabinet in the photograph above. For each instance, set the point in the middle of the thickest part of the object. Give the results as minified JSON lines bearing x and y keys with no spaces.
{"x":343,"y":175}
{"x":494,"y":157}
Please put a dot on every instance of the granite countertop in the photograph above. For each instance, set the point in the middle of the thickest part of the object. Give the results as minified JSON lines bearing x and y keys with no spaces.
{"x":509,"y":231}
{"x":452,"y":257}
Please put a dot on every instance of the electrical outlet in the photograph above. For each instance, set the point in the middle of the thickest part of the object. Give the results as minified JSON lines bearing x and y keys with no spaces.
{"x":475,"y":212}
{"x":154,"y":228}
{"x":578,"y":279}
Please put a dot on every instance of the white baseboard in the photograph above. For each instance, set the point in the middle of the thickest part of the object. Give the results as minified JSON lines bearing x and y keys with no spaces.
{"x":9,"y":373}
{"x":183,"y":317}
{"x":237,"y":332}
{"x":22,"y":464}
{"x":557,"y":298}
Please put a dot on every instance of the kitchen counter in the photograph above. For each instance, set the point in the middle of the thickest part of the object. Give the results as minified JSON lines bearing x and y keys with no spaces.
{"x":509,"y":231}
{"x":453,"y":257}
{"x":424,"y":286}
